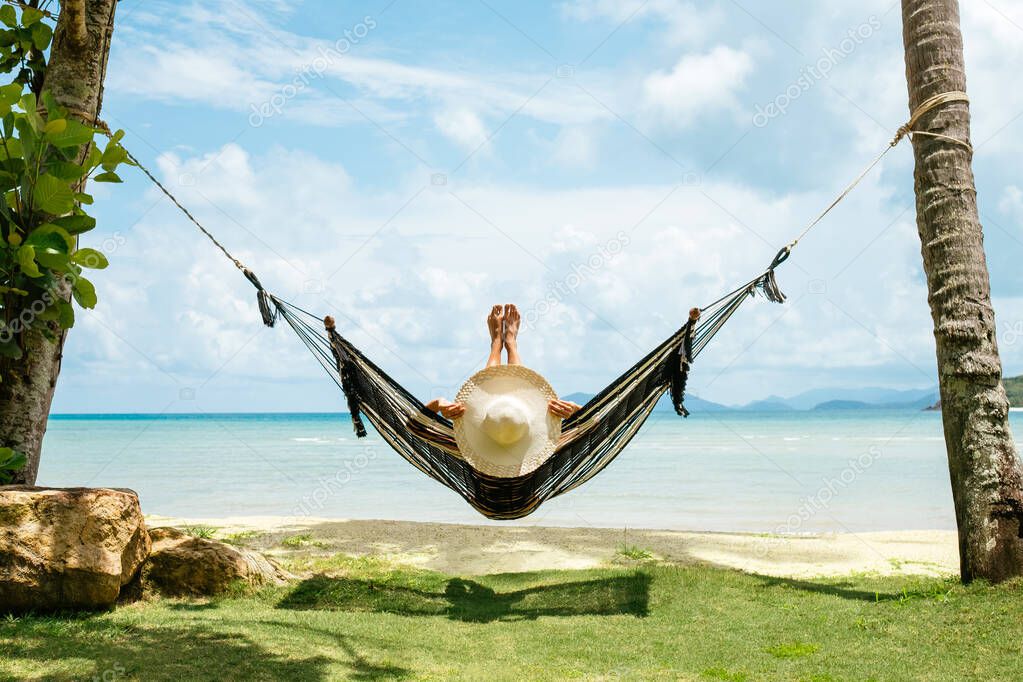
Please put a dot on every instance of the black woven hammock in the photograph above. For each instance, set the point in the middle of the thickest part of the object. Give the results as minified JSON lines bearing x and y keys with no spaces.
{"x":590,"y":439}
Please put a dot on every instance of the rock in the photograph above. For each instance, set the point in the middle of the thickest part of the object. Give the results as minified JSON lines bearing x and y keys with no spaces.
{"x":181,"y":565}
{"x":68,"y":548}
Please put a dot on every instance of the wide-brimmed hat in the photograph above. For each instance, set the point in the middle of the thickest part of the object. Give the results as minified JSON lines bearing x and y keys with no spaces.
{"x":506,"y":430}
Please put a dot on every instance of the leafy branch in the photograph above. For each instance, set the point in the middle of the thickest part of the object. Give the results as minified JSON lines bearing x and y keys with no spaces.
{"x":46,"y":158}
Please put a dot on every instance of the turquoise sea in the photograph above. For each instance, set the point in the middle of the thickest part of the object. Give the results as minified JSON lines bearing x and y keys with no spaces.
{"x":855,"y":470}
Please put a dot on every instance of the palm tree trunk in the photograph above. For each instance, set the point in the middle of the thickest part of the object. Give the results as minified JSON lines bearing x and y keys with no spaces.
{"x":78,"y":60}
{"x":987,"y":479}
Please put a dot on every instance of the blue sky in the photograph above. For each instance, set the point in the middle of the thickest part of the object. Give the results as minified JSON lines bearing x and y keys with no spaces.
{"x":406,"y":165}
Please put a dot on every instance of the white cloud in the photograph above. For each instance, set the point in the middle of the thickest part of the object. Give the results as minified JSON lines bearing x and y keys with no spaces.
{"x":699,"y":84}
{"x":1012,"y":200}
{"x":677,"y":21}
{"x":414,"y":284}
{"x":575,"y":148}
{"x":237,"y":60}
{"x":462,"y":126}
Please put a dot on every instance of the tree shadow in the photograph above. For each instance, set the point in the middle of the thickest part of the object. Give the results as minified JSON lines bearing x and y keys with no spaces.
{"x":847,"y":589}
{"x":106,"y":649}
{"x":470,"y":601}
{"x":362,"y":668}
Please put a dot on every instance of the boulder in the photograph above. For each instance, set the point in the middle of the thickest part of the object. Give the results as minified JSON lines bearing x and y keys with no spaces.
{"x":68,"y":548}
{"x":184,"y":566}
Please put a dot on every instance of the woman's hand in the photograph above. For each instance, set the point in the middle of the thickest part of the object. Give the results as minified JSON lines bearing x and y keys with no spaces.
{"x":447,"y":408}
{"x":563,"y":408}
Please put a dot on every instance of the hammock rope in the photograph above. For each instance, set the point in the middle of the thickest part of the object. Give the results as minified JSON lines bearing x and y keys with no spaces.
{"x":591,"y":438}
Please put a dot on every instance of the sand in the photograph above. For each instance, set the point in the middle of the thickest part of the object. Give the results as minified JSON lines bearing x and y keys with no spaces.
{"x":476,"y":550}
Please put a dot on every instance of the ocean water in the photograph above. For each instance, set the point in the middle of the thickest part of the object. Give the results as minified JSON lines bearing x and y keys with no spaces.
{"x":774,"y":472}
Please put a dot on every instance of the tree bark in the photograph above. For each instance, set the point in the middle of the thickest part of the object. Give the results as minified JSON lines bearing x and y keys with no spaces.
{"x":74,"y":76}
{"x":987,"y":479}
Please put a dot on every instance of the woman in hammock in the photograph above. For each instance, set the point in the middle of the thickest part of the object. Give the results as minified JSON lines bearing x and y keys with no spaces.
{"x":503,"y":325}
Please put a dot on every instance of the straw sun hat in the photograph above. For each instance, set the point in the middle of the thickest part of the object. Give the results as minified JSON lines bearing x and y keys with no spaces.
{"x":506,"y":430}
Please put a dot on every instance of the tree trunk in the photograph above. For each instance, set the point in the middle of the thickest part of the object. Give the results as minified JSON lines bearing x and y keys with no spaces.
{"x":987,"y":480}
{"x":75,"y":76}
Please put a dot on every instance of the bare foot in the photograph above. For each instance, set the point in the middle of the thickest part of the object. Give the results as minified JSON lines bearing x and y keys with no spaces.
{"x":495,"y":323}
{"x":511,"y":324}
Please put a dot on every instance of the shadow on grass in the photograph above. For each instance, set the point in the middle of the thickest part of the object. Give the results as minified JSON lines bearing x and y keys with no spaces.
{"x":89,"y":647}
{"x":470,"y":601}
{"x":845,"y":589}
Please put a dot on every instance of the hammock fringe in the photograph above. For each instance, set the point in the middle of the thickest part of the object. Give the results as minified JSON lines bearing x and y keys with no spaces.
{"x":680,"y":372}
{"x":267,"y":308}
{"x":769,"y":285}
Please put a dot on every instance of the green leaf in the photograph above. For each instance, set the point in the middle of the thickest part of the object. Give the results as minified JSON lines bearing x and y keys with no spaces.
{"x":11,"y":461}
{"x":65,"y":170}
{"x":11,"y":94}
{"x":109,"y":176}
{"x":65,"y":314}
{"x":76,"y":133}
{"x":30,"y":15}
{"x":11,"y":149}
{"x":37,"y":236}
{"x":29,"y":105}
{"x":53,"y":195}
{"x":13,"y":290}
{"x":55,"y":126}
{"x":83,"y":198}
{"x":90,"y":258}
{"x":51,"y":249}
{"x":113,"y":155}
{"x":27,"y":260}
{"x":41,"y":35}
{"x":84,"y":292}
{"x":10,"y":349}
{"x":9,"y":16}
{"x":76,"y":224}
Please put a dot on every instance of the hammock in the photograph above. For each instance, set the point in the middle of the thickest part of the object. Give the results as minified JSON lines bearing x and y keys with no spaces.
{"x":590,"y":439}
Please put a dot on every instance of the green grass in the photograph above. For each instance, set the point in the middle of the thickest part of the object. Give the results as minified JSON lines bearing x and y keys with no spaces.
{"x":635,"y":553}
{"x":365,"y":619}
{"x":206,"y":532}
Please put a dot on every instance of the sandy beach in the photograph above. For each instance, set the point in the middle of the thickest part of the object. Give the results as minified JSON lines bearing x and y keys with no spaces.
{"x":476,"y":550}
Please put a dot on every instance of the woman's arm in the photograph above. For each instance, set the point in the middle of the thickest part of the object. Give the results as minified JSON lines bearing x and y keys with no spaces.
{"x":447,"y":408}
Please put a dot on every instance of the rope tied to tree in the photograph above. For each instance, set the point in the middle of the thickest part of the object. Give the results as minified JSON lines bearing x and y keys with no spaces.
{"x":926,"y":106}
{"x":908,"y":128}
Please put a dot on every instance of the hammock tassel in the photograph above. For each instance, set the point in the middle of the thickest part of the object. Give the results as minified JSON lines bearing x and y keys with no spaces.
{"x":267,"y":307}
{"x":769,"y":285}
{"x":346,"y":370}
{"x":680,"y":371}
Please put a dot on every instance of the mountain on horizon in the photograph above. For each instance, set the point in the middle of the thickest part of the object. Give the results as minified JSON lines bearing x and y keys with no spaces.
{"x":814,"y":399}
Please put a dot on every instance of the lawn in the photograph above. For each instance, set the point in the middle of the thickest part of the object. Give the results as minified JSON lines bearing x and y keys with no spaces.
{"x":366,"y":619}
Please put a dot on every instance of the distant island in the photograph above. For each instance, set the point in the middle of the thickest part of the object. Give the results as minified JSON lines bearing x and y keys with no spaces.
{"x":818,"y":399}
{"x":830,"y":399}
{"x":1013,"y":388}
